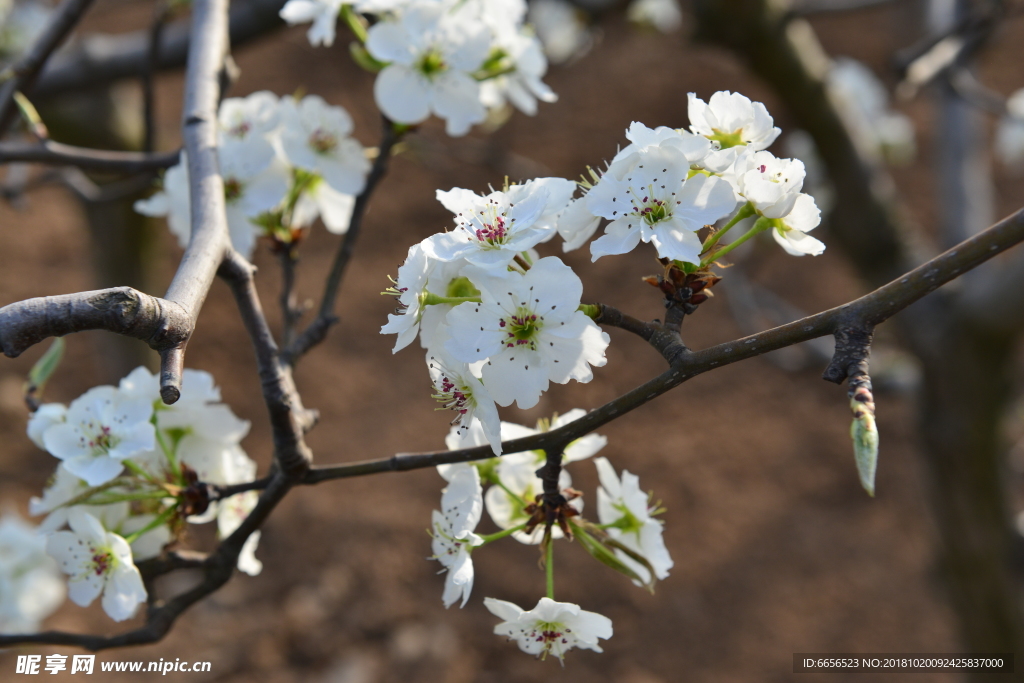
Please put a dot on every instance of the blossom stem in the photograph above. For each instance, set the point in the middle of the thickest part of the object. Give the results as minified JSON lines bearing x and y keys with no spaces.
{"x":354,"y":22}
{"x":549,"y":565}
{"x":120,"y":498}
{"x":138,"y":471}
{"x":161,"y":518}
{"x":760,"y":226}
{"x":746,"y":211}
{"x":490,"y":538}
{"x":432,"y":299}
{"x":161,"y":438}
{"x":592,"y":311}
{"x":86,"y":495}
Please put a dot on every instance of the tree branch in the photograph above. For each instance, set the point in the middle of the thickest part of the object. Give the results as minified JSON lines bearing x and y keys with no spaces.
{"x":98,"y":60}
{"x":217,"y":569}
{"x":58,"y":154}
{"x":317,"y":330}
{"x":23,"y":74}
{"x":863,"y":313}
{"x":160,"y":323}
{"x":279,"y":393}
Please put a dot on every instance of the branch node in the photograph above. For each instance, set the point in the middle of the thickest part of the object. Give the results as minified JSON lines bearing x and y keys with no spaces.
{"x":853,"y":346}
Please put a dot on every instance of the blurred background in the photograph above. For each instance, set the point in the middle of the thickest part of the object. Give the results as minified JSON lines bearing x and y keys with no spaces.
{"x":777,"y":548}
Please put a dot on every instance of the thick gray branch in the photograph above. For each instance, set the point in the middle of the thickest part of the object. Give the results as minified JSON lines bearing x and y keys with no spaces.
{"x":160,"y":323}
{"x":209,"y":243}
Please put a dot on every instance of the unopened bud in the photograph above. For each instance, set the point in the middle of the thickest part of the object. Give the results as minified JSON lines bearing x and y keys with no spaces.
{"x":864,"y":433}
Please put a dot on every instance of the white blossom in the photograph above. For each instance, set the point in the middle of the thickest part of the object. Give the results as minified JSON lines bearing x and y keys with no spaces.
{"x":323,"y":14}
{"x":231,"y":513}
{"x":431,"y":52}
{"x":249,"y":122}
{"x":43,"y":418}
{"x":251,"y":187}
{"x":524,"y":56}
{"x":97,"y":562}
{"x":550,"y":627}
{"x":771,"y":185}
{"x":529,"y":330}
{"x":791,"y":230}
{"x":103,"y":428}
{"x":732,"y":122}
{"x":452,"y":531}
{"x":31,"y":588}
{"x":458,"y":389}
{"x":419,"y":276}
{"x":316,"y":137}
{"x":655,"y":202}
{"x":623,"y":508}
{"x":577,"y":224}
{"x":491,"y":230}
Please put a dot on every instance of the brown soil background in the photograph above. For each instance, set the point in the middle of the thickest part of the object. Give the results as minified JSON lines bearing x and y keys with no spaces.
{"x":777,"y":549}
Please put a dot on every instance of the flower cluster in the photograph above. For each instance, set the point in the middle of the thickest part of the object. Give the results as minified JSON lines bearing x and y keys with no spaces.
{"x":455,"y":59}
{"x":668,"y":184}
{"x":499,"y":324}
{"x":628,"y":537}
{"x":284,"y":163}
{"x":133,"y":470}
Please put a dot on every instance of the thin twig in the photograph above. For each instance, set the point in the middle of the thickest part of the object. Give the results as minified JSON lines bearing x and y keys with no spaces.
{"x":283,"y":403}
{"x":101,"y":59}
{"x":58,"y":154}
{"x":317,"y":330}
{"x":23,"y":74}
{"x":290,"y":310}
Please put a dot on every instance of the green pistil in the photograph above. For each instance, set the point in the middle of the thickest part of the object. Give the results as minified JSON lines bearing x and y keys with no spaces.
{"x":628,"y":522}
{"x":461,"y":288}
{"x":323,"y":142}
{"x":232,"y":189}
{"x":521,"y":328}
{"x":655,"y":213}
{"x":432,"y":64}
{"x":726,"y":140}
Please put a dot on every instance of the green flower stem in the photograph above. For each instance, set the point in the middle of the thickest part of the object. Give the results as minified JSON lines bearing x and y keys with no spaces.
{"x":432,"y":299}
{"x":138,"y":471}
{"x":168,"y":453}
{"x":89,"y":493}
{"x":163,"y":517}
{"x":490,"y":538}
{"x":354,"y":22}
{"x":549,"y":566}
{"x":590,"y":310}
{"x":760,"y":226}
{"x":122,"y":497}
{"x":746,"y":211}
